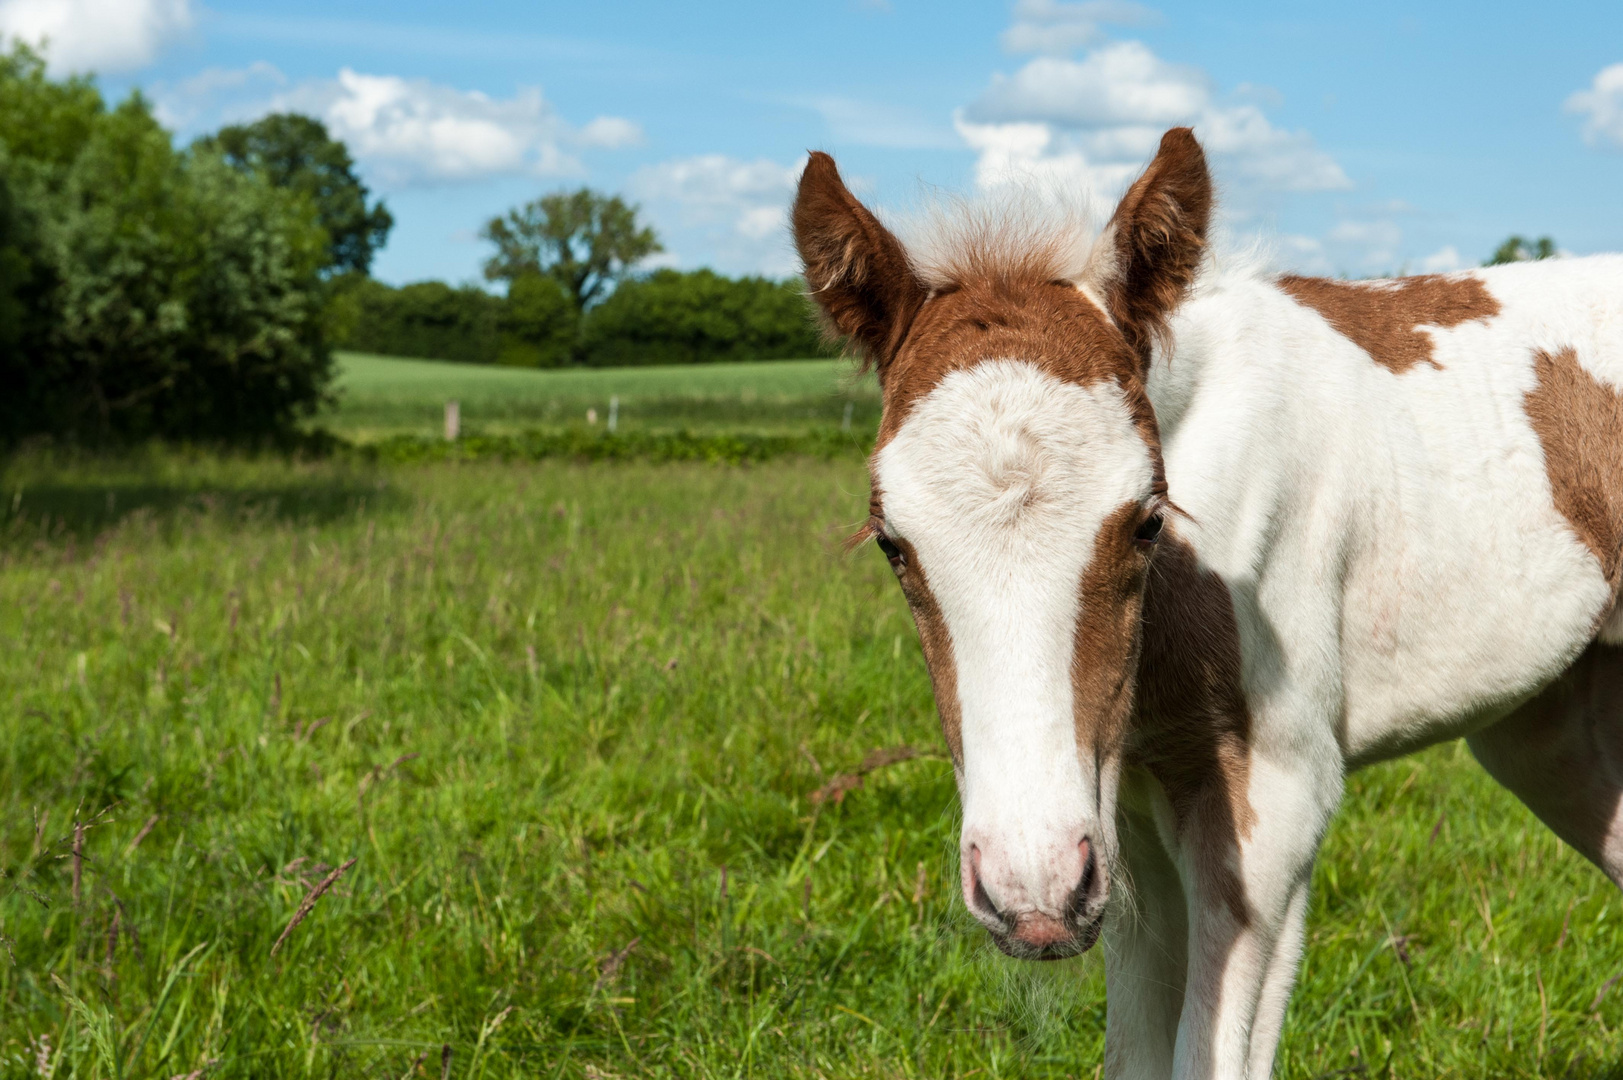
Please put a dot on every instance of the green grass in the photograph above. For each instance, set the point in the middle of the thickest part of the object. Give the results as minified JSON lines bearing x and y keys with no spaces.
{"x":381,"y":396}
{"x":553,"y":710}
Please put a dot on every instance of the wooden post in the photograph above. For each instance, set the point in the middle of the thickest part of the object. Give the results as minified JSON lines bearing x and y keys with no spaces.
{"x":614,"y":412}
{"x":453,"y":420}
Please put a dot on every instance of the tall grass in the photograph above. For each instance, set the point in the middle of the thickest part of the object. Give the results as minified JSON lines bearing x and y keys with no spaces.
{"x":567,"y":721}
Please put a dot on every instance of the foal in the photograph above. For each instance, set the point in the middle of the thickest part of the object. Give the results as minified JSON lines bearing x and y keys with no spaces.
{"x":1183,"y":547}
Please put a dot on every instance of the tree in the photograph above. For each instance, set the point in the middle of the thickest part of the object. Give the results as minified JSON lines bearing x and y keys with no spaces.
{"x":583,"y":240}
{"x":296,"y":153}
{"x":1516,"y":249}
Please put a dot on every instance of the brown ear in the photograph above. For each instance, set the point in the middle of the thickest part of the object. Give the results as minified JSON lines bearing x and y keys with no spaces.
{"x":1151,"y":249}
{"x":855,"y":269}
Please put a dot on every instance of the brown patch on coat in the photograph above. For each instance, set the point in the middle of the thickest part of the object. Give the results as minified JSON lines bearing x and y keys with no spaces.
{"x":1385,"y":318}
{"x":1192,"y":725}
{"x":1048,"y":324}
{"x":1004,"y":305}
{"x":937,"y":644}
{"x":1159,"y":233}
{"x":1104,"y":653}
{"x":1579,"y":422}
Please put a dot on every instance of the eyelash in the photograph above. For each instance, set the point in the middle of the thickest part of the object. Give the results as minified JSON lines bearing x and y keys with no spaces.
{"x":872,"y":530}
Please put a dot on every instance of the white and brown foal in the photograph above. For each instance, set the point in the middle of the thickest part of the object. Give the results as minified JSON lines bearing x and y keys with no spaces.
{"x":1184,"y":546}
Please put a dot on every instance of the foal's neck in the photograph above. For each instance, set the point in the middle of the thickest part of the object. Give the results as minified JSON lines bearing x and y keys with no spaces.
{"x":1234,"y":421}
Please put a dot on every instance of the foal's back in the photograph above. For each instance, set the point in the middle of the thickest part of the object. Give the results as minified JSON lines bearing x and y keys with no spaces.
{"x":1446,"y":453}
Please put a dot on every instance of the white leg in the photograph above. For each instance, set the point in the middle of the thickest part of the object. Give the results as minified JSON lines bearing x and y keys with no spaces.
{"x":1276,"y":987}
{"x":1247,"y":899}
{"x":1145,"y":957}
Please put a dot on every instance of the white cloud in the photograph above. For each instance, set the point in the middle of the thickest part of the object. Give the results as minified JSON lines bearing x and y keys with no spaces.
{"x":1302,"y":254}
{"x":1098,"y":118}
{"x":1028,"y":151}
{"x":96,"y":35}
{"x":1442,"y":261}
{"x":1119,"y":84}
{"x":760,"y":222}
{"x":215,"y":96}
{"x":1602,"y":105}
{"x":1050,"y":26}
{"x":611,"y":133}
{"x":405,"y":132}
{"x":1361,"y":246}
{"x":740,"y":207}
{"x":1369,"y":246}
{"x":412,"y":131}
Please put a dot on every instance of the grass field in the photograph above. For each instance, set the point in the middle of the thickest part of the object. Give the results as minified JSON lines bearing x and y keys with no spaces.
{"x":382,"y":396}
{"x":566,"y":721}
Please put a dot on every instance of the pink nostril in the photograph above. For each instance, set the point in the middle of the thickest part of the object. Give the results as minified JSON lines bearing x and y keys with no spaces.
{"x":1088,"y":885}
{"x":979,"y":900}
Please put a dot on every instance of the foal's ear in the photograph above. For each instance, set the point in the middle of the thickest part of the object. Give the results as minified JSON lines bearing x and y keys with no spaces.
{"x":1149,"y":253}
{"x":855,"y":269}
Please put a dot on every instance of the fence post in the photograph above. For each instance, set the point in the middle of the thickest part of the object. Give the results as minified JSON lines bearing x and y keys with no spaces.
{"x":614,"y":412}
{"x":453,"y":420}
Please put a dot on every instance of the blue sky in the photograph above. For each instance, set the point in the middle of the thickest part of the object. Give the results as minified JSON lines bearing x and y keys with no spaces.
{"x":1358,"y":139}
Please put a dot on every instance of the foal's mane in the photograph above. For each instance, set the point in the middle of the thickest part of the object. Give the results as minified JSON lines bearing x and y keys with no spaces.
{"x":1012,"y":233}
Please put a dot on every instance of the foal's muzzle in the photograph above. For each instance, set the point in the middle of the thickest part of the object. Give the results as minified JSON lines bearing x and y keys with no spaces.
{"x":1033,"y":934}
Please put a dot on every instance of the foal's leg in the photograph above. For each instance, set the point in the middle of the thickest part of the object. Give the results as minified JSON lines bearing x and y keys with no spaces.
{"x":1277,"y":986}
{"x":1248,"y":901}
{"x":1145,"y":957}
{"x":1562,"y":755}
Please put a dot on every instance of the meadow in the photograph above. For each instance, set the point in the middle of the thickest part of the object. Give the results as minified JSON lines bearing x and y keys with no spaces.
{"x":382,"y":396}
{"x":552,"y":735}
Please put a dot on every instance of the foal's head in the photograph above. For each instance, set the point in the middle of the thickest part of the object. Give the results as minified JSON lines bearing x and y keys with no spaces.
{"x":1018,"y":494}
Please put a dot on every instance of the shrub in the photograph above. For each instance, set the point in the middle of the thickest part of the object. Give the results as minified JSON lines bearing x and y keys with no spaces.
{"x":538,"y":323}
{"x":166,"y":294}
{"x":672,"y":317}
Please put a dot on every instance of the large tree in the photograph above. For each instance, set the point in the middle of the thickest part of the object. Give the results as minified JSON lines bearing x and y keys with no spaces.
{"x":295,"y":152}
{"x":583,"y":240}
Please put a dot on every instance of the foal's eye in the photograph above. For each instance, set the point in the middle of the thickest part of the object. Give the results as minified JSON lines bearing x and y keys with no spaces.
{"x":892,"y":552}
{"x":1150,"y":531}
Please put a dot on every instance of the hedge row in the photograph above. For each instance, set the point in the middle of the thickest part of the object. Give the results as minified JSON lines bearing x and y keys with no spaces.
{"x":723,"y":448}
{"x":667,"y":317}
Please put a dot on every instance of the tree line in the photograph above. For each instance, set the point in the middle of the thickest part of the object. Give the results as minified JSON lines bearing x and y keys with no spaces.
{"x":664,"y":317}
{"x":149,"y":290}
{"x":572,"y":295}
